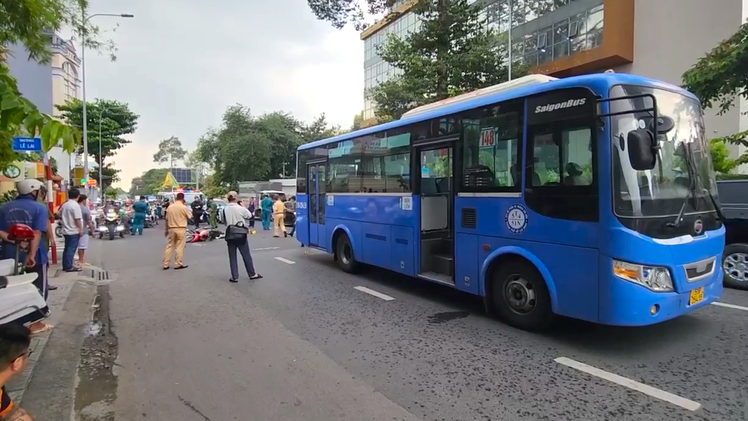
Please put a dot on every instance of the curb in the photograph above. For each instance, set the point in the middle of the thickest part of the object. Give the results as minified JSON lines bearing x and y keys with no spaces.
{"x":57,"y":303}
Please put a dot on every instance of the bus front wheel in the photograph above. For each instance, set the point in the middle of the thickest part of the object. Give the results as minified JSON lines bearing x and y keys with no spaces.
{"x":344,"y":255}
{"x":520,"y":296}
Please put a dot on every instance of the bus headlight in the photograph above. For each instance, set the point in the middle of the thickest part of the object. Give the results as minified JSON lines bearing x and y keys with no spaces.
{"x":657,"y":279}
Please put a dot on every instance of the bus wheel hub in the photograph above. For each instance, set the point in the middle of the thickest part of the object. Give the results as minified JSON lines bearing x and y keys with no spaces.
{"x":520,"y":295}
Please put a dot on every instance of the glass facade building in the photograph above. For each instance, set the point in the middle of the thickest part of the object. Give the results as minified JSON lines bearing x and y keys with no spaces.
{"x":542,"y":31}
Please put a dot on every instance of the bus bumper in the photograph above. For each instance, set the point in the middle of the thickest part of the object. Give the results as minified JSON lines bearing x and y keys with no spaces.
{"x":623,"y":303}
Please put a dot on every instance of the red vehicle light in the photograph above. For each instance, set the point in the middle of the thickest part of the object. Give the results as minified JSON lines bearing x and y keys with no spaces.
{"x":20,"y":232}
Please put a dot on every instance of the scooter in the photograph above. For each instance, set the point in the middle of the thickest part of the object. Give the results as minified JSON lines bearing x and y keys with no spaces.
{"x":20,"y":300}
{"x":111,"y":224}
{"x":203,"y":235}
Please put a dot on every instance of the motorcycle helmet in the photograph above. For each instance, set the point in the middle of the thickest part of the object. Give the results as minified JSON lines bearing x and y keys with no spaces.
{"x":28,"y":186}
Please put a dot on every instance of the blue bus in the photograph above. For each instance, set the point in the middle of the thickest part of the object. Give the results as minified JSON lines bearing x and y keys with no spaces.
{"x":591,"y":197}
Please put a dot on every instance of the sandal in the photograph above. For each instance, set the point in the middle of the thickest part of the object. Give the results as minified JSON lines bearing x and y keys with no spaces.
{"x":255,"y":276}
{"x":47,"y":327}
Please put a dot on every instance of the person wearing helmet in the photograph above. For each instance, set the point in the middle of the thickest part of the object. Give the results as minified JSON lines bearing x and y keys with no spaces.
{"x":25,"y":209}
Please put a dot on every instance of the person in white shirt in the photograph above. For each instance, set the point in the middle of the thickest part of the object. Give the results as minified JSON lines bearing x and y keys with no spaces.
{"x":238,"y":215}
{"x":71,"y":219}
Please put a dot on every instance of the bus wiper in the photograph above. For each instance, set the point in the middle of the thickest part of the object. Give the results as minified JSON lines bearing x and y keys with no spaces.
{"x":691,"y":188}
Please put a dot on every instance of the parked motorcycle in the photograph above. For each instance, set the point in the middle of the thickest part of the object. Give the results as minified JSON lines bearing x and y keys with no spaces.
{"x":112,"y":224}
{"x":203,"y":235}
{"x":151,"y":219}
{"x":20,"y":300}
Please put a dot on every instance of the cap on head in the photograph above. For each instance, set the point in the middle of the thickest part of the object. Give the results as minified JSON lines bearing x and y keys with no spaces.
{"x":232,"y":195}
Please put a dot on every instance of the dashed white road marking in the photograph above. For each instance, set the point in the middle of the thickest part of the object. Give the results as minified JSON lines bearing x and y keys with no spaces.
{"x":266,"y":248}
{"x":377,"y":294}
{"x":631,"y":384}
{"x":732,"y":306}
{"x":281,"y":259}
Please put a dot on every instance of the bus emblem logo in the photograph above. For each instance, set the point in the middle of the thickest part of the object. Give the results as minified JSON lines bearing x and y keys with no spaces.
{"x":698,"y":226}
{"x":516,"y":219}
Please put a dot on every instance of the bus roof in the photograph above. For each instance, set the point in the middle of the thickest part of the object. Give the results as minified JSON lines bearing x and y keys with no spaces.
{"x":600,"y":79}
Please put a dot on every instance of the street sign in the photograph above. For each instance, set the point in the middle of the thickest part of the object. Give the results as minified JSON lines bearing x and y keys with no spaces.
{"x":32,"y":144}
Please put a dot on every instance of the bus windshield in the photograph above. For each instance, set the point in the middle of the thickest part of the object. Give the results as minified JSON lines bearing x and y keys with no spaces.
{"x":683,"y":172}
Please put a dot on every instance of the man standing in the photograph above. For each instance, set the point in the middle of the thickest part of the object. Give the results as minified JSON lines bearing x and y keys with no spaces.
{"x":292,"y":205}
{"x":87,"y":225}
{"x":197,"y":211}
{"x":15,"y":341}
{"x":140,"y":209}
{"x":71,"y":218}
{"x":25,"y":209}
{"x":176,"y":224}
{"x":266,"y":206}
{"x":279,"y":213}
{"x":212,"y":213}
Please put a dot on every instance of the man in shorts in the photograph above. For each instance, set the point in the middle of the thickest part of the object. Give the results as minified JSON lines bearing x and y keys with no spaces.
{"x":87,"y":221}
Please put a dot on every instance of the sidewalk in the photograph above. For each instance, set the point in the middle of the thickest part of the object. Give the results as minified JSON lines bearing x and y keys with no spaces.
{"x":71,"y":306}
{"x":56,"y":302}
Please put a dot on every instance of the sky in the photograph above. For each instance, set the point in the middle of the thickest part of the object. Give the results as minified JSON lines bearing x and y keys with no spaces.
{"x":180,"y":63}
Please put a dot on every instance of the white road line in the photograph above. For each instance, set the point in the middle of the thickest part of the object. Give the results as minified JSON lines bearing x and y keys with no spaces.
{"x":266,"y":248}
{"x":631,"y":384}
{"x":733,"y":306}
{"x":385,"y":297}
{"x":290,"y":262}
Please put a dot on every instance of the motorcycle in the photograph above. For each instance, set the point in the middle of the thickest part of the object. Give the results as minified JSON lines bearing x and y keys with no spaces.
{"x":20,"y":300}
{"x":203,"y":235}
{"x":151,"y":219}
{"x":111,"y":224}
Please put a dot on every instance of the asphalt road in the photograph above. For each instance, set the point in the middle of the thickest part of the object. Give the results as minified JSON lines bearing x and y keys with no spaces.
{"x":309,"y":342}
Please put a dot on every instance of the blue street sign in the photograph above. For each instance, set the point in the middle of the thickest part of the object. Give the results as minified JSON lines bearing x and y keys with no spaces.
{"x":32,"y":144}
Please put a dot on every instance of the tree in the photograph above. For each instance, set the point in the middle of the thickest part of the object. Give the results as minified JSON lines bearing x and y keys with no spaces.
{"x":357,"y":120}
{"x":342,"y":12}
{"x":169,"y":150}
{"x":148,"y":183}
{"x":720,"y":78}
{"x":283,"y":132}
{"x":29,"y":22}
{"x":115,"y":120}
{"x":720,"y":154}
{"x":452,"y":53}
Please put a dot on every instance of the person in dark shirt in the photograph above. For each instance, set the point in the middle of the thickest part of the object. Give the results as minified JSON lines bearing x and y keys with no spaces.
{"x":25,"y":209}
{"x":197,"y":211}
{"x":15,"y":341}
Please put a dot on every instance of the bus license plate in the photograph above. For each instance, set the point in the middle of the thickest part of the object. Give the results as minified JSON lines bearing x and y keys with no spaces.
{"x":697,"y":295}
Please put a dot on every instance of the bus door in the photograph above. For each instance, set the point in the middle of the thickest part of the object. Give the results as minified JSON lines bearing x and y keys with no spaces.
{"x":316,"y":207}
{"x":436,"y":195}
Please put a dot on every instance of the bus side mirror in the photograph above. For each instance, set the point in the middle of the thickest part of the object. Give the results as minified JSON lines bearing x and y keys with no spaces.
{"x":641,"y":146}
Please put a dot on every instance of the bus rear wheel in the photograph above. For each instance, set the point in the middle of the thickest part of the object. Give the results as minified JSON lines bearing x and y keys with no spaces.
{"x":344,"y":255}
{"x":520,"y":296}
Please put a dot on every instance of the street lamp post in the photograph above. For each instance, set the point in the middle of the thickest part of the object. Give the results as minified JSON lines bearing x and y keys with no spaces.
{"x":101,"y":161}
{"x":83,"y":80}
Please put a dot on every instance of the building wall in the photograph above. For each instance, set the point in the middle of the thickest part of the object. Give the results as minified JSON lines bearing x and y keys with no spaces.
{"x":48,"y":85}
{"x":34,"y":79}
{"x":666,"y":45}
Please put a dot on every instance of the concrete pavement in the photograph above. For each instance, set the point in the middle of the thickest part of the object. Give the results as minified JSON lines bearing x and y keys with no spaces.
{"x":309,"y":342}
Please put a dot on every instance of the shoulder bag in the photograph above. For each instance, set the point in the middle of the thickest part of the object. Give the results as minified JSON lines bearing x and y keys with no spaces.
{"x":237,"y":233}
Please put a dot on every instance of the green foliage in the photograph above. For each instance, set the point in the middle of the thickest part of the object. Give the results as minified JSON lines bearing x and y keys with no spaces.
{"x":19,"y":117}
{"x":8,"y":196}
{"x":249,"y":148}
{"x":721,"y":76}
{"x":213,"y":189}
{"x":115,"y":120}
{"x":721,"y":157}
{"x":357,"y":120}
{"x":110,"y":193}
{"x":169,"y":150}
{"x":453,"y":52}
{"x":343,"y":12}
{"x":148,"y":183}
{"x":30,"y":22}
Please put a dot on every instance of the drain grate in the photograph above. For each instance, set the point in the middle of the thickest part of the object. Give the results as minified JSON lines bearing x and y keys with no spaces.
{"x":100,"y":275}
